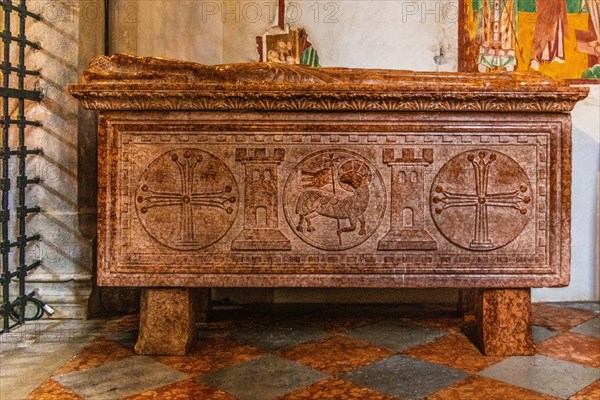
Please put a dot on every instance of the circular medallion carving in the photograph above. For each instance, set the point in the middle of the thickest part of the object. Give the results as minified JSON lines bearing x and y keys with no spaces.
{"x":334,"y":199}
{"x":481,"y":200}
{"x":187,"y":199}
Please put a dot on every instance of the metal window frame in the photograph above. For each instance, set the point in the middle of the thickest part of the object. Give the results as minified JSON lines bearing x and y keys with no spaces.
{"x":13,"y":310}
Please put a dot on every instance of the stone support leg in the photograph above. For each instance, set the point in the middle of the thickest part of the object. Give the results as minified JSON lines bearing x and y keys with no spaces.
{"x":504,"y":322}
{"x":167,"y":321}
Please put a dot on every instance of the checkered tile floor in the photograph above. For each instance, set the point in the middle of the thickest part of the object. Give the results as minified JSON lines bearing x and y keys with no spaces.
{"x":375,"y":352}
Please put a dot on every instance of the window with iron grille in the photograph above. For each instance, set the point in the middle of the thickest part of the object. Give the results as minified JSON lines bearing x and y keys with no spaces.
{"x":17,"y":90}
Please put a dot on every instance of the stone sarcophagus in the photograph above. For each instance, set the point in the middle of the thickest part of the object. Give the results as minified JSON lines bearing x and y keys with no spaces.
{"x":274,"y":175}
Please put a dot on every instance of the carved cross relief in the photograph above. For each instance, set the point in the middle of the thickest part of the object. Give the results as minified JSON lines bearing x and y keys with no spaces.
{"x":204,"y":191}
{"x":334,"y":199}
{"x":451,"y":190}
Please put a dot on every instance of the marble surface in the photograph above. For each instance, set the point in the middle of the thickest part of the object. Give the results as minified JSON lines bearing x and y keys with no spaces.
{"x":413,"y":379}
{"x":260,"y":234}
{"x":335,"y":366}
{"x":543,"y":374}
{"x":263,"y":378}
{"x":590,"y":328}
{"x":120,"y":378}
{"x":455,"y":351}
{"x":396,"y":335}
{"x":336,"y":354}
{"x":541,"y":333}
{"x":37,"y":350}
{"x":277,"y":336}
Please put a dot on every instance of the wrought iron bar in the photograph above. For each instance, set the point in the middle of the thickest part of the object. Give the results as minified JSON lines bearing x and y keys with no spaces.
{"x":16,"y":94}
{"x":23,"y":12}
{"x":13,"y":310}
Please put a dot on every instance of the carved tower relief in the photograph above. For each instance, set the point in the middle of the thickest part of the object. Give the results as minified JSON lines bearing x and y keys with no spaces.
{"x":407,"y":214}
{"x":261,"y":205}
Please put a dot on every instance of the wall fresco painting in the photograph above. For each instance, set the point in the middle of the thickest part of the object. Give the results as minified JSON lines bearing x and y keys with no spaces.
{"x":558,"y":38}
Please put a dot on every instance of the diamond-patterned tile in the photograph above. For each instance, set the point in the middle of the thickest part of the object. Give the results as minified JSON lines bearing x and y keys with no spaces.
{"x":543,"y":374}
{"x":184,"y":390}
{"x":211,"y":354}
{"x":99,"y":352}
{"x":422,"y":310}
{"x":573,"y":347}
{"x":120,"y":378}
{"x":127,"y":323}
{"x":455,"y":351}
{"x":277,"y":336}
{"x":397,"y":335}
{"x":478,"y":387}
{"x":336,"y":354}
{"x":591,"y":306}
{"x":589,"y":328}
{"x":330,"y":322}
{"x":448,"y":323}
{"x":124,"y":338}
{"x":559,"y":318}
{"x":229,"y":318}
{"x":72,"y":330}
{"x":324,"y":342}
{"x":283,"y":310}
{"x":51,"y":390}
{"x":404,"y":377}
{"x":23,"y":370}
{"x":541,"y":333}
{"x":335,"y":390}
{"x":263,"y":378}
{"x":591,"y":392}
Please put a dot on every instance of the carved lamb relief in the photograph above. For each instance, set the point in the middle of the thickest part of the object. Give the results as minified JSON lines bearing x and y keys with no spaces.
{"x":334,"y":199}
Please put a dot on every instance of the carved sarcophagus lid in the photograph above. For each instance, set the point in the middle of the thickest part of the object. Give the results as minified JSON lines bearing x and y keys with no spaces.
{"x":123,"y":82}
{"x":277,"y":175}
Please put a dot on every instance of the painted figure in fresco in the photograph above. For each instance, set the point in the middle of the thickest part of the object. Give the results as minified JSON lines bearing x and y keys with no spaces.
{"x":550,"y":32}
{"x":594,"y":10}
{"x":588,"y":41}
{"x":496,"y":34}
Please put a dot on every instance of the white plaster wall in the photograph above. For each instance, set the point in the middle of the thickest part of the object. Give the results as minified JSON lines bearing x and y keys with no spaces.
{"x":177,"y":29}
{"x":205,"y":31}
{"x":585,"y":216}
{"x":242,"y":22}
{"x":400,"y":34}
{"x":396,"y":34}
